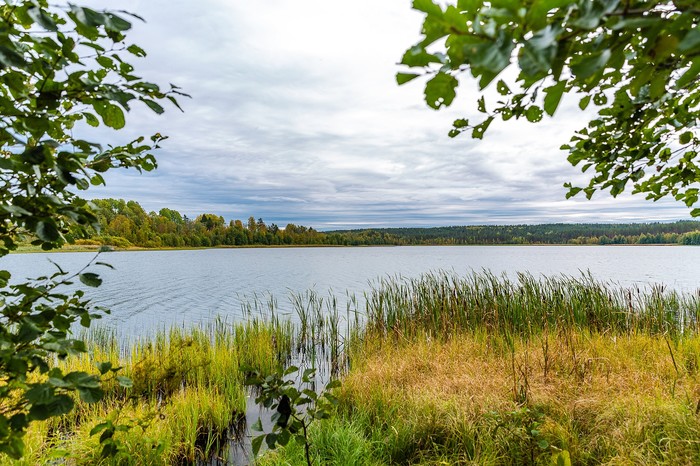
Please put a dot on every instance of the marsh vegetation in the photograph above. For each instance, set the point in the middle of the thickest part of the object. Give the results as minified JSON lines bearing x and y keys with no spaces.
{"x":440,"y":369}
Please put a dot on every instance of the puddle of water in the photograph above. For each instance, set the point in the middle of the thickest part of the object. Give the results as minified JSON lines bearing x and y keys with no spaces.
{"x":238,"y":450}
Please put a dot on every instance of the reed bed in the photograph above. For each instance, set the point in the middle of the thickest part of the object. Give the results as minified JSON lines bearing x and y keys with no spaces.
{"x":186,"y":403}
{"x":439,"y":369}
{"x":443,"y":303}
{"x":486,"y":369}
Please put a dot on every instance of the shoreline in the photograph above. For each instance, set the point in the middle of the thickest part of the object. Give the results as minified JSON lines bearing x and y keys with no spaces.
{"x":95,"y":248}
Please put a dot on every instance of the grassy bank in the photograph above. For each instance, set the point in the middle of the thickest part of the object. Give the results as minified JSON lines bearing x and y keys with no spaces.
{"x":185,"y":402}
{"x":29,"y":249}
{"x":94,"y":247}
{"x":90,"y":247}
{"x":441,"y":369}
{"x":486,"y":370}
{"x":481,"y":399}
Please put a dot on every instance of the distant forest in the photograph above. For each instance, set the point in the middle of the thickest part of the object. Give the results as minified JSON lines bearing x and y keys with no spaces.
{"x":126,"y":223}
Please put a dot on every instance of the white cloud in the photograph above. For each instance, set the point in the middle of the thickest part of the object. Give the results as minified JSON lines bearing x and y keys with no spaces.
{"x":295,"y":117}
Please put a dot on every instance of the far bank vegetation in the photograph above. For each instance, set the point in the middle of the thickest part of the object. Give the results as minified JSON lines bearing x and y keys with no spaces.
{"x":126,"y":224}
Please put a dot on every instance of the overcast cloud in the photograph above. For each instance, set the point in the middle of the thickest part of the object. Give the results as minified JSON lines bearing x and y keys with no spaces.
{"x":295,"y":117}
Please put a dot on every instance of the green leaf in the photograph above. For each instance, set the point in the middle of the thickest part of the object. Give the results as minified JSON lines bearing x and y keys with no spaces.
{"x":125,"y":382}
{"x":657,"y":86}
{"x":689,"y":75}
{"x":116,"y":23}
{"x":256,"y":443}
{"x":493,"y":56}
{"x":593,"y":12}
{"x":97,"y":180}
{"x":40,"y":394}
{"x":42,"y":18}
{"x":403,"y":78}
{"x":10,"y":57}
{"x":538,"y":54}
{"x":561,"y":458}
{"x":271,"y":440}
{"x":502,"y":88}
{"x":533,"y":114}
{"x":46,"y":231}
{"x":58,"y":405}
{"x":90,"y":279}
{"x":590,"y":64}
{"x":553,"y":97}
{"x":691,"y":41}
{"x":83,"y":379}
{"x":112,"y":115}
{"x":4,"y":278}
{"x":685,"y":138}
{"x":636,"y":23}
{"x":91,"y":119}
{"x":104,"y":367}
{"x":90,"y":394}
{"x":109,"y":449}
{"x":440,"y":91}
{"x":417,"y":56}
{"x":136,"y":50}
{"x":87,"y":16}
{"x":481,"y":104}
{"x":583,"y":103}
{"x":480,"y":129}
{"x":257,"y":426}
{"x":427,"y":6}
{"x":283,"y":437}
{"x":155,"y":106}
{"x":333,"y":384}
{"x":105,"y":61}
{"x":15,"y":210}
{"x":99,"y":428}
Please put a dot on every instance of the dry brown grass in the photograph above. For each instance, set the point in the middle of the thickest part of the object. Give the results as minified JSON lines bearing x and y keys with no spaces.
{"x":580,"y":370}
{"x":613,"y":399}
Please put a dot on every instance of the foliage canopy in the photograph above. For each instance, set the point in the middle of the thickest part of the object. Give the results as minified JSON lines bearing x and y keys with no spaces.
{"x":60,"y":67}
{"x":637,"y":61}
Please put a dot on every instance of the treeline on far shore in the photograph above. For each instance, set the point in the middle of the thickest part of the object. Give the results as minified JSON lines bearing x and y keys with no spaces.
{"x":126,"y":223}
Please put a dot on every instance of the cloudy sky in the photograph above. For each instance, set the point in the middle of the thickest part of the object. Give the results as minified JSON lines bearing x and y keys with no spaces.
{"x":295,"y":117}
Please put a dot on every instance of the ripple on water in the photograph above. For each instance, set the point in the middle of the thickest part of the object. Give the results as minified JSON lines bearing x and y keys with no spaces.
{"x":155,"y":289}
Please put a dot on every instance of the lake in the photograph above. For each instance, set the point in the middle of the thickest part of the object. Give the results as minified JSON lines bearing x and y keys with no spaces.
{"x":156,"y":289}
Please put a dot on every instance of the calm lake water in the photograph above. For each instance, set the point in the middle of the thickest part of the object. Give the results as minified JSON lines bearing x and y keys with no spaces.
{"x":156,"y":289}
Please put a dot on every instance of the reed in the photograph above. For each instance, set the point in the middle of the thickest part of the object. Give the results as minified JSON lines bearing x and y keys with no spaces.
{"x":486,"y":369}
{"x":442,"y":303}
{"x":600,"y":398}
{"x":436,"y":369}
{"x":187,"y":400}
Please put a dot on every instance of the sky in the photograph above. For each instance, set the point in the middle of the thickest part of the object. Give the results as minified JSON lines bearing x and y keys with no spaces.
{"x":295,"y":117}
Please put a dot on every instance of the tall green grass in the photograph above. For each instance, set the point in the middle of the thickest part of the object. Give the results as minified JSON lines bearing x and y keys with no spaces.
{"x":187,"y":400}
{"x":442,"y":303}
{"x":323,"y":331}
